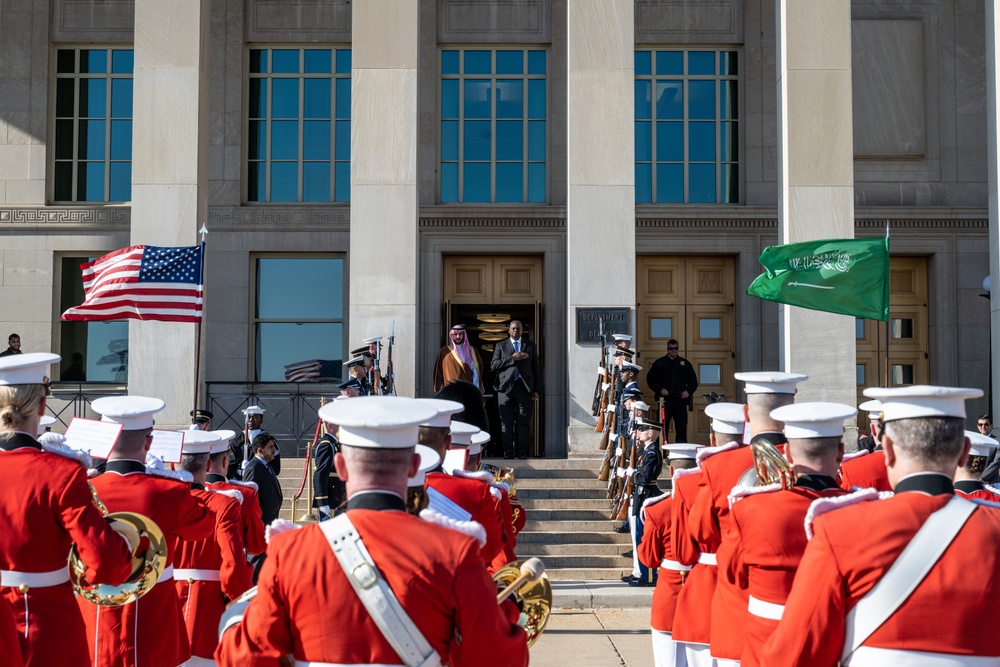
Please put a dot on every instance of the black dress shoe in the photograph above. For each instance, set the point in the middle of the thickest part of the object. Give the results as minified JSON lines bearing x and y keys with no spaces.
{"x":640,"y":582}
{"x":627,"y":554}
{"x":522,"y":456}
{"x":622,"y":528}
{"x":507,"y":457}
{"x":628,"y":579}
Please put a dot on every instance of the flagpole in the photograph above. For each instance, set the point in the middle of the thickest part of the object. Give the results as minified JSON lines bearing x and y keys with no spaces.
{"x":888,"y":322}
{"x":197,"y":327}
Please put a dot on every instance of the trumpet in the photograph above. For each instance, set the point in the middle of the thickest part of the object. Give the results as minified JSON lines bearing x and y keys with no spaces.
{"x":528,"y":583}
{"x":147,"y":565}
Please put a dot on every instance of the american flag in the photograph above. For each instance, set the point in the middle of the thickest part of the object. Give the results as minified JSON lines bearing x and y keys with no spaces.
{"x":313,"y":370}
{"x":142,"y":282}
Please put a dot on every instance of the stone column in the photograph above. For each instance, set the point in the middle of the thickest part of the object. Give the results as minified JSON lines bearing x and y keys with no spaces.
{"x":600,"y":207}
{"x":993,"y":182}
{"x":169,"y":176}
{"x":816,"y":180}
{"x":384,"y":212}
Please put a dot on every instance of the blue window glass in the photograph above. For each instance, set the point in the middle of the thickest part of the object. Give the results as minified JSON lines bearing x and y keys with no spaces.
{"x":690,"y":154}
{"x":317,"y":61}
{"x":299,"y":125}
{"x":478,"y":62}
{"x":476,"y":183}
{"x":91,"y":351}
{"x":487,"y":153}
{"x":92,"y":150}
{"x":316,"y":98}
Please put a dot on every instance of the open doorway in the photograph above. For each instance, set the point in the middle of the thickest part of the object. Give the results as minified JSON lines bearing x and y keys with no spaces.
{"x":483,"y":335}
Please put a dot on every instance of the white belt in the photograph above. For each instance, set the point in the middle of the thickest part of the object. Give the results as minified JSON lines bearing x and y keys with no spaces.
{"x":668,"y":564}
{"x":186,"y":574}
{"x":34,"y":579}
{"x":707,"y":559}
{"x":166,"y":575}
{"x":765,"y":609}
{"x":868,"y":656}
{"x":301,"y":663}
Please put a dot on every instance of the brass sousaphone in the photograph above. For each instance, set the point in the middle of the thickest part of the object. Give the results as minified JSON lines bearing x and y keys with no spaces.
{"x":149,"y":558}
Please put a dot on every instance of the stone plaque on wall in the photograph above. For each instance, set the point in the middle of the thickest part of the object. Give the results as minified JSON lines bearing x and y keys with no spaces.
{"x":94,"y":20}
{"x":689,"y":21}
{"x":496,"y":21}
{"x":295,"y":20}
{"x":588,"y":323}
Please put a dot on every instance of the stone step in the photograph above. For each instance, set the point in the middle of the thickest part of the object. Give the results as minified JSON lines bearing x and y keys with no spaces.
{"x":545,"y":483}
{"x":535,"y":504}
{"x":544,"y":551}
{"x":570,"y":537}
{"x":569,"y":526}
{"x":573,"y":514}
{"x":556,"y":473}
{"x":588,"y":561}
{"x":546,"y":464}
{"x":592,"y":574}
{"x":589,"y":492}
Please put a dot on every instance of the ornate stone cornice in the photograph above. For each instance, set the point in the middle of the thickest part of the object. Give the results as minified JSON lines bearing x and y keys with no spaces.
{"x":253,"y":218}
{"x":105,"y":217}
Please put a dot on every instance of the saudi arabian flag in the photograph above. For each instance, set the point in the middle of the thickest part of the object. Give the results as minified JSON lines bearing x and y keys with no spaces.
{"x":846,"y":276}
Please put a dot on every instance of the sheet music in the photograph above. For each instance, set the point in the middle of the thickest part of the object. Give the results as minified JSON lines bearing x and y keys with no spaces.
{"x":445,"y":505}
{"x":95,"y":437}
{"x":167,"y":445}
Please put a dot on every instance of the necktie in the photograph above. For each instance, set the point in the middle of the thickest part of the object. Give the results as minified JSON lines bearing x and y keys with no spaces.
{"x":517,"y":348}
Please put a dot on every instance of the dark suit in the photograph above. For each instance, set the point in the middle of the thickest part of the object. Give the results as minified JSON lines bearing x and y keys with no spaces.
{"x":514,"y":383}
{"x":268,"y":489}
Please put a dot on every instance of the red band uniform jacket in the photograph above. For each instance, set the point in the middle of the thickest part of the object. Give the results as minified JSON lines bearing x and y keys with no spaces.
{"x":693,"y":618}
{"x":150,"y":631}
{"x":253,"y":524}
{"x":653,"y":550}
{"x":45,"y":506}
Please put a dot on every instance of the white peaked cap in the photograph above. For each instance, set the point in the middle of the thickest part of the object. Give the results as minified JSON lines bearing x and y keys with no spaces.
{"x":981,"y":445}
{"x":26,"y":368}
{"x":225,"y":435}
{"x":461,"y":433}
{"x":621,"y":336}
{"x":199,"y":442}
{"x":378,"y":422}
{"x":921,"y":400}
{"x":134,"y":413}
{"x":445,"y":409}
{"x":770,"y":382}
{"x":478,"y":440}
{"x":682,"y":450}
{"x":726,"y":417}
{"x":873,"y":408}
{"x":254,"y":410}
{"x":629,"y":366}
{"x":429,"y":460}
{"x":46,"y":420}
{"x":814,"y":420}
{"x":640,"y":405}
{"x":373,"y":339}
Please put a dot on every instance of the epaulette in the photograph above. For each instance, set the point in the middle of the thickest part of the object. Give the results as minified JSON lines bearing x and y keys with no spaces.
{"x":708,"y":452}
{"x":92,"y":473}
{"x":684,"y":472}
{"x":854,"y":455}
{"x":740,"y":491}
{"x":232,"y":493}
{"x":649,"y":502}
{"x":473,"y":529}
{"x":821,"y":506}
{"x":249,"y":485}
{"x":153,"y":461}
{"x":176,"y":475}
{"x":478,"y":475}
{"x":277,"y":527}
{"x":83,"y":458}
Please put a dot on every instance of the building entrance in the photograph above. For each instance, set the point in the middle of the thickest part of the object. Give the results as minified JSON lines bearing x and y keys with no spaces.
{"x":485,"y":293}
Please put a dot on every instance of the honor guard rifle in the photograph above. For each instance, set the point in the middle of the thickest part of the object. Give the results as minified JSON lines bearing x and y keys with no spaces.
{"x":602,"y":372}
{"x":389,"y":379}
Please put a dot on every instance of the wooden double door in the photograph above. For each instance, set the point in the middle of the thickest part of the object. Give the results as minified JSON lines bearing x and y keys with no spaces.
{"x":692,"y":300}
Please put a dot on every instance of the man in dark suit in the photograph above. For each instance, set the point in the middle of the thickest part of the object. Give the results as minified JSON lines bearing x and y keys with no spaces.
{"x":515,"y":362}
{"x":259,"y":471}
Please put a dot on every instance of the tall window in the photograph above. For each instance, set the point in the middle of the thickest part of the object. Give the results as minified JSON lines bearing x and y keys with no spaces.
{"x":686,"y":115}
{"x":299,"y":127}
{"x":91,"y":351}
{"x":298,"y":318}
{"x":493,"y":134}
{"x":93,"y":131}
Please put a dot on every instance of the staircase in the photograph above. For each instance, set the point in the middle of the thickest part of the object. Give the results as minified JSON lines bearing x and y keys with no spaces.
{"x":567,"y":511}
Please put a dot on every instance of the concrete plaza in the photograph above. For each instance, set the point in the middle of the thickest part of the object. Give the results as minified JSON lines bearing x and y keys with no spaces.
{"x":597,"y":637}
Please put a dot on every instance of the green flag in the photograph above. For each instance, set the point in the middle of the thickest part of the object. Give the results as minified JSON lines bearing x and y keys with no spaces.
{"x":846,"y":276}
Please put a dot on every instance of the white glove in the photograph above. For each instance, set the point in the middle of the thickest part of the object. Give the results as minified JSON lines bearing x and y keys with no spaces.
{"x":243,"y":466}
{"x":630,"y":472}
{"x":620,"y":472}
{"x":614,"y":436}
{"x":324,"y":512}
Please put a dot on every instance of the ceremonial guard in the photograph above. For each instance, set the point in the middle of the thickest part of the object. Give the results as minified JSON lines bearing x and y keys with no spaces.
{"x":456,"y":495}
{"x":768,"y":519}
{"x":201,"y":420}
{"x":355,"y":367}
{"x":903,"y":580}
{"x":867,"y":471}
{"x":692,"y":620}
{"x":648,"y":466}
{"x":150,"y":631}
{"x":45,"y":507}
{"x":968,"y":477}
{"x":655,"y":551}
{"x":328,"y":487}
{"x":210,"y":571}
{"x":250,"y":517}
{"x":387,"y":587}
{"x":253,"y":421}
{"x":710,"y":519}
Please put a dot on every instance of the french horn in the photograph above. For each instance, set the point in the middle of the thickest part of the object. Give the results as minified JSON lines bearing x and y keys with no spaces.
{"x":769,"y":466}
{"x":532,"y":594}
{"x":147,"y":564}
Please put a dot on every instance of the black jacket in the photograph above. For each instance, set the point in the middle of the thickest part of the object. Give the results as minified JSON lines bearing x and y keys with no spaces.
{"x":648,"y":467}
{"x":676,"y":376}
{"x":504,"y":366}
{"x":268,"y":489}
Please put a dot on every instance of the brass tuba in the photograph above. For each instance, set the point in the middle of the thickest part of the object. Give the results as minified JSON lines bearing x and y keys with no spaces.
{"x":532,"y":593}
{"x":769,"y":465}
{"x":147,"y":565}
